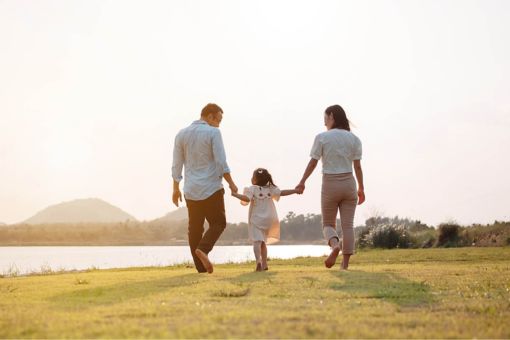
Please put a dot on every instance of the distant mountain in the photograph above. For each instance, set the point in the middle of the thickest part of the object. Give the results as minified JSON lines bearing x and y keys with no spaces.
{"x":177,"y":215}
{"x":2,"y":223}
{"x":80,"y":211}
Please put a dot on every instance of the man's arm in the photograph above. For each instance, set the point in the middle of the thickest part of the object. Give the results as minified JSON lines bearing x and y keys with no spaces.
{"x":230,"y":182}
{"x":177,"y":165}
{"x":221,"y":159}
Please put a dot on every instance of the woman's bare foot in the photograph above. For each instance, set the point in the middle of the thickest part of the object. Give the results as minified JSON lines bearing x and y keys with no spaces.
{"x":259,"y":267}
{"x":205,"y":260}
{"x":345,"y":262}
{"x":330,"y":261}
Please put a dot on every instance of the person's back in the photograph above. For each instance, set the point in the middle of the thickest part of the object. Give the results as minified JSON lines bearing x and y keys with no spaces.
{"x":203,"y":172}
{"x":199,"y":150}
{"x":337,"y":148}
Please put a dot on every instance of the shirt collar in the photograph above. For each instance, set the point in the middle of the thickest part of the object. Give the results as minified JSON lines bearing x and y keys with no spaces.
{"x":200,"y":121}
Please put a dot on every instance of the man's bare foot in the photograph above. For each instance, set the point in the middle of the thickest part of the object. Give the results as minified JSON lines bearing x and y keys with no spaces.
{"x":205,"y":260}
{"x":330,"y":261}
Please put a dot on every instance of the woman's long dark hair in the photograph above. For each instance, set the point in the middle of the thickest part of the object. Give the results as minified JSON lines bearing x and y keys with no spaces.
{"x":341,"y":121}
{"x":262,"y":177}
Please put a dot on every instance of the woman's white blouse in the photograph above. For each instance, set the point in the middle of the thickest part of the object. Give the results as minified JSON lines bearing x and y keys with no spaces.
{"x":337,"y":148}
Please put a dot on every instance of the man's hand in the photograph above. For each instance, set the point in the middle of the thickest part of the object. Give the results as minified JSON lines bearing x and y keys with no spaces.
{"x":300,"y":188}
{"x":176,"y":197}
{"x":361,"y":196}
{"x":233,"y":188}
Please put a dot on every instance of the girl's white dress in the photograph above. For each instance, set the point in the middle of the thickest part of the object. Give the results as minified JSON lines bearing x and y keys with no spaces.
{"x":263,"y":223}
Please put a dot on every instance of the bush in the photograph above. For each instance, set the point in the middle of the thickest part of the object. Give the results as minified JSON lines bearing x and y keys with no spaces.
{"x":387,"y":236}
{"x":448,"y":235}
{"x":424,"y":238}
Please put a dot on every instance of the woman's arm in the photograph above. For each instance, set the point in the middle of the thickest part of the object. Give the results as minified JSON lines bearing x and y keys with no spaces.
{"x":359,"y":177}
{"x":308,"y":171}
{"x":243,"y":198}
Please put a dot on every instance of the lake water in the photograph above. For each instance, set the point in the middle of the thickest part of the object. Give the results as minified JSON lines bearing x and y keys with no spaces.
{"x":24,"y":260}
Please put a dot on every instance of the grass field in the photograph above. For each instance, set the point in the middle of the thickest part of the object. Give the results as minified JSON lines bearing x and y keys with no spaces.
{"x":429,"y":293}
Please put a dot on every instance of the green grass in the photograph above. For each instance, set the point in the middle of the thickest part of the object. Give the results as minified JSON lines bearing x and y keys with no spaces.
{"x":431,"y":293}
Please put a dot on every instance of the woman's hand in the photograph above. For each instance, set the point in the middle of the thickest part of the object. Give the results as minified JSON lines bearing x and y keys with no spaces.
{"x":300,"y":188}
{"x":361,"y":196}
{"x":308,"y":171}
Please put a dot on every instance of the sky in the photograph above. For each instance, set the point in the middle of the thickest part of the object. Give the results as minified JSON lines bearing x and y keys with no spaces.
{"x":92,"y":94}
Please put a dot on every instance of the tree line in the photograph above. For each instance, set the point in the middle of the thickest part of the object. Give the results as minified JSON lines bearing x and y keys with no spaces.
{"x":377,"y":232}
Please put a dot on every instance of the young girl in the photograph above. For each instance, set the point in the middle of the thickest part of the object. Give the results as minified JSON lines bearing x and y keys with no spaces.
{"x":263,"y":223}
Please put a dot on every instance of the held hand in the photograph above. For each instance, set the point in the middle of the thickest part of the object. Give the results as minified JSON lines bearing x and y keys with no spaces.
{"x":176,"y":197}
{"x":361,"y":197}
{"x":233,"y":188}
{"x":300,"y":188}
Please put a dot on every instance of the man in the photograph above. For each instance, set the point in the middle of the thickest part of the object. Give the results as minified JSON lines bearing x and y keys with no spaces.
{"x":199,"y":148}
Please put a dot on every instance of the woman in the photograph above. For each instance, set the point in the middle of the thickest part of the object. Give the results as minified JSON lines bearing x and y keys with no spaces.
{"x":339,"y":149}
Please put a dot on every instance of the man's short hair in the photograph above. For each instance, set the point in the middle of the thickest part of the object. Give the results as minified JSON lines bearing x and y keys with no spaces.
{"x":211,"y":108}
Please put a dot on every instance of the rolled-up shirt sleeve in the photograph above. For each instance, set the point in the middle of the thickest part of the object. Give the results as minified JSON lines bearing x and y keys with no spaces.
{"x":178,"y":159}
{"x":219,"y":153}
{"x":357,"y":150}
{"x":316,"y":152}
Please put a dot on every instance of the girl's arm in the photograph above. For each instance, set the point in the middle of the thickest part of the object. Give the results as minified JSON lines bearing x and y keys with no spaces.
{"x":289,"y":192}
{"x":243,"y":198}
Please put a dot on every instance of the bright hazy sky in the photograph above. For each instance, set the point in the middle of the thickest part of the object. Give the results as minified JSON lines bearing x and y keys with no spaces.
{"x":92,"y":94}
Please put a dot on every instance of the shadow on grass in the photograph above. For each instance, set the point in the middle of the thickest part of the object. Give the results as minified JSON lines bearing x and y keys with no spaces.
{"x":252,"y":277}
{"x":120,"y":292}
{"x":240,"y":285}
{"x":386,"y":286}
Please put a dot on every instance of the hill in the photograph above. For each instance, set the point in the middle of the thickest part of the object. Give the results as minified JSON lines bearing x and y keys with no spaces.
{"x":179,"y":214}
{"x":91,"y":210}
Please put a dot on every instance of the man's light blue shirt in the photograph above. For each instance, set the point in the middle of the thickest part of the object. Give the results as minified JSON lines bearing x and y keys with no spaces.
{"x":199,"y":148}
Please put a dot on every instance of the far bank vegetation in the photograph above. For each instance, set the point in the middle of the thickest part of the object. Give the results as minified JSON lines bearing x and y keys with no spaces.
{"x":377,"y":232}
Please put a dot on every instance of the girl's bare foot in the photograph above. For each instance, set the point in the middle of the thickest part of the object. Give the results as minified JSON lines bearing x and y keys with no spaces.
{"x":330,"y":261}
{"x":205,"y":260}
